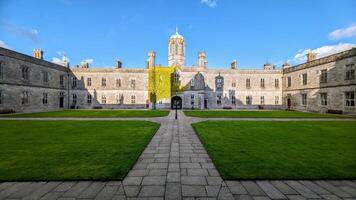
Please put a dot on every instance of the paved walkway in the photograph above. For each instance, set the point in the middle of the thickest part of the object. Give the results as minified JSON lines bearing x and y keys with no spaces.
{"x":175,"y":165}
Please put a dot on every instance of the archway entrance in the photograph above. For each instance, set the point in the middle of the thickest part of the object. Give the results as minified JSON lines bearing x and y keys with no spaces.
{"x":176,"y":102}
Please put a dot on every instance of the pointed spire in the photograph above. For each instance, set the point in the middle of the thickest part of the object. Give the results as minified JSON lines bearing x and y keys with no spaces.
{"x":177,"y":31}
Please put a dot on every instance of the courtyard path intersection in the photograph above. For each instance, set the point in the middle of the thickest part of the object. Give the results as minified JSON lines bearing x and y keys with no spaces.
{"x":175,"y":165}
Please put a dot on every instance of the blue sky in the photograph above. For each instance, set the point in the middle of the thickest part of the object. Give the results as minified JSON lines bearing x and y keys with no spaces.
{"x":249,"y":31}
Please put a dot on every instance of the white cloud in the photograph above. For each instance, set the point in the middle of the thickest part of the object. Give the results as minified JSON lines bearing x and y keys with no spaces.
{"x":210,"y":3}
{"x":62,"y":60}
{"x":323,"y":51}
{"x":343,"y":32}
{"x":89,"y":60}
{"x":4,"y":45}
{"x":31,"y":34}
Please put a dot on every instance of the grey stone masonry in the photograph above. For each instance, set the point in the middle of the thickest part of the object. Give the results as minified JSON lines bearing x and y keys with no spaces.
{"x":175,"y":165}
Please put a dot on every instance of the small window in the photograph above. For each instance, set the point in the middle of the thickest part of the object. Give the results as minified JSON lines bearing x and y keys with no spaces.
{"x":305,"y":79}
{"x":133,"y":99}
{"x":61,"y":80}
{"x":25,"y":73}
{"x":74,"y":82}
{"x":74,"y":99}
{"x":89,"y":81}
{"x":192,"y":99}
{"x":133,"y":84}
{"x":233,"y":100}
{"x":89,"y":98}
{"x":262,"y":83}
{"x":350,"y":72}
{"x":248,"y":100}
{"x":25,"y":97}
{"x":323,"y":76}
{"x":304,"y":99}
{"x":45,"y":77}
{"x":248,"y":83}
{"x":233,"y":84}
{"x":350,"y":99}
{"x":192,"y":83}
{"x":276,"y":100}
{"x":103,"y":99}
{"x":45,"y":98}
{"x":323,"y":99}
{"x":218,"y":100}
{"x":118,"y":82}
{"x":103,"y":82}
{"x":121,"y":99}
{"x":262,"y":100}
{"x":289,"y":81}
{"x":276,"y":83}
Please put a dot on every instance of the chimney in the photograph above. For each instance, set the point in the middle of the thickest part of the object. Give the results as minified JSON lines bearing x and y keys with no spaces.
{"x":38,"y":53}
{"x":118,"y":64}
{"x":234,"y":64}
{"x":267,"y":66}
{"x":311,"y":56}
{"x":151,"y":59}
{"x":285,"y":65}
{"x":201,"y":59}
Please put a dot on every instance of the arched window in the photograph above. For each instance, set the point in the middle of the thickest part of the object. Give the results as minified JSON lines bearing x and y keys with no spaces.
{"x":176,"y":48}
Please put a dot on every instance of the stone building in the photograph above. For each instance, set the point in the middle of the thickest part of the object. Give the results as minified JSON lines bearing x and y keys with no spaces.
{"x":321,"y":85}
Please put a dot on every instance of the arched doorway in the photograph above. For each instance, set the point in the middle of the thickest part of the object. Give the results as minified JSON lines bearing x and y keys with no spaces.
{"x":176,"y":102}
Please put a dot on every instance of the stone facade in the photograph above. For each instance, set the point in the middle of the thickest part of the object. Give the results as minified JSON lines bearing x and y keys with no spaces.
{"x":33,"y":84}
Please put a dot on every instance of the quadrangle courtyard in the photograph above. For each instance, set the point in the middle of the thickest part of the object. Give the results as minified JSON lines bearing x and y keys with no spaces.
{"x":122,"y":154}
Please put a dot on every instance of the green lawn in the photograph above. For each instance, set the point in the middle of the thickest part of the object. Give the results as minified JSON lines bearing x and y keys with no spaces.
{"x":281,"y":150}
{"x":258,"y":114}
{"x":96,"y":113}
{"x":71,"y":150}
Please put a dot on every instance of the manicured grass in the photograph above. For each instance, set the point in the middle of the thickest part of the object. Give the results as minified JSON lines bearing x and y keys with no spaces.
{"x":71,"y":150}
{"x":258,"y":114}
{"x":281,"y":150}
{"x":96,"y":113}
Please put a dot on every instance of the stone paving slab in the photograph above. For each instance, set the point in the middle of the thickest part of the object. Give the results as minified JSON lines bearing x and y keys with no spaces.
{"x":175,"y":165}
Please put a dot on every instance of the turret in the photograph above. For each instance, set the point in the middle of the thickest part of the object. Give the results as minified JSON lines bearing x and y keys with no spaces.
{"x":311,"y":56}
{"x":202,"y":59}
{"x":151,"y":59}
{"x":233,"y":64}
{"x":267,"y":66}
{"x":285,"y":65}
{"x":38,"y":53}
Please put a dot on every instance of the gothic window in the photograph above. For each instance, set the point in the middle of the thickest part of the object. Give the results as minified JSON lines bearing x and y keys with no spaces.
{"x":25,"y":73}
{"x":88,"y":81}
{"x":133,"y":84}
{"x":192,"y":99}
{"x":218,"y":99}
{"x":25,"y":97}
{"x":349,"y":99}
{"x":233,"y":100}
{"x":248,"y":83}
{"x":276,"y":83}
{"x":323,"y":76}
{"x":276,"y":100}
{"x":45,"y":98}
{"x":1,"y":101}
{"x":262,"y":83}
{"x":219,"y":82}
{"x":233,"y":84}
{"x":89,"y":98}
{"x":304,"y":99}
{"x":248,"y":100}
{"x":103,"y":99}
{"x":176,"y":48}
{"x":289,"y":81}
{"x":45,"y":77}
{"x":262,"y":100}
{"x":324,"y":99}
{"x":74,"y":82}
{"x":305,"y":79}
{"x":103,"y":82}
{"x":350,"y":72}
{"x":61,"y":80}
{"x":118,"y":82}
{"x":1,"y":69}
{"x":74,"y":99}
{"x":120,"y":99}
{"x":133,"y":99}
